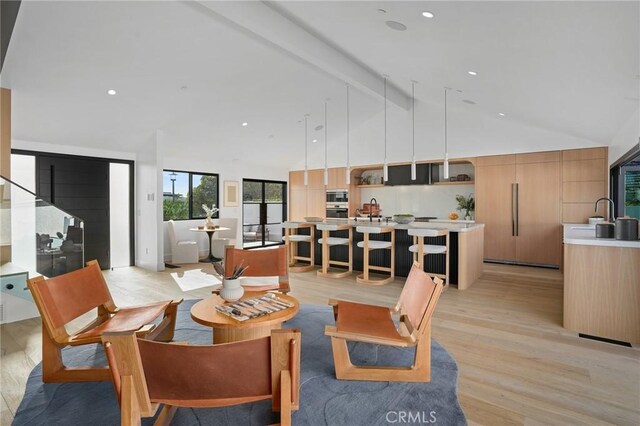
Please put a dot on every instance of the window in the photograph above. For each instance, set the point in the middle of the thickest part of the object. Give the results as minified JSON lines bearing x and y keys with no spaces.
{"x":184,"y":193}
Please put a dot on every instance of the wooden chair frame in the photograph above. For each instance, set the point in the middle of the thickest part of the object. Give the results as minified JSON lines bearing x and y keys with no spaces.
{"x":365,"y":277}
{"x":292,"y":248}
{"x":133,"y":387}
{"x":420,"y":254}
{"x":409,"y":335}
{"x":262,"y":263}
{"x":55,"y":318}
{"x":327,"y":262}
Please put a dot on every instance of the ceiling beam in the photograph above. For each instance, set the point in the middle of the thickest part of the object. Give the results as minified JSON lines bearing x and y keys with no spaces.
{"x":264,"y":22}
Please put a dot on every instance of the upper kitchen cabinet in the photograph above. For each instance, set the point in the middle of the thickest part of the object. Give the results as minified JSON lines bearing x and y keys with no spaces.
{"x":518,"y":200}
{"x":337,"y":178}
{"x":460,"y":173}
{"x":584,"y":180}
{"x":401,"y":175}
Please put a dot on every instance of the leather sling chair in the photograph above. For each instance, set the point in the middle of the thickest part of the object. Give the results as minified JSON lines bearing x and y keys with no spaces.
{"x":147,"y":374}
{"x":374,"y":324}
{"x":64,"y":298}
{"x":262,"y":263}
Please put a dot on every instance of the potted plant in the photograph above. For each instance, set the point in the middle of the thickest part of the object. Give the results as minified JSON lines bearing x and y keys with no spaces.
{"x":468,"y":204}
{"x":596,"y":218}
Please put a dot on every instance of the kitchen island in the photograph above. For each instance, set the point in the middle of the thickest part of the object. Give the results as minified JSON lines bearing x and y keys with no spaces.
{"x":465,"y":247}
{"x":601,"y":285}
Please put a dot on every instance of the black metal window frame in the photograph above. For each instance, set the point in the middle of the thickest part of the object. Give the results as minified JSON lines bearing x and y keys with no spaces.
{"x":190,"y":198}
{"x":284,"y":205}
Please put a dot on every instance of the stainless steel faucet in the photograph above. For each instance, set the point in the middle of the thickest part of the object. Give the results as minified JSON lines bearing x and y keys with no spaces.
{"x":371,"y":204}
{"x":612,"y":207}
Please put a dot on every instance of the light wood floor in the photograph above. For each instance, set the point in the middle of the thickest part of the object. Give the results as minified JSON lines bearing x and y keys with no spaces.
{"x":517,"y":364}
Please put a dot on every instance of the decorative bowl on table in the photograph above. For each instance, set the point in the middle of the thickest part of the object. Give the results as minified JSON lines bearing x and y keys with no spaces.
{"x":403,"y":218}
{"x":313,"y":219}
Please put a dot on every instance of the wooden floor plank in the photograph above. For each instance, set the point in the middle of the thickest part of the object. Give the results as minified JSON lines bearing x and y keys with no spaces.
{"x":517,"y":364}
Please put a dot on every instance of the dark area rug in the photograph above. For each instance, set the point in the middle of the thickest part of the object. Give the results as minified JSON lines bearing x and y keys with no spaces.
{"x":323,"y":399}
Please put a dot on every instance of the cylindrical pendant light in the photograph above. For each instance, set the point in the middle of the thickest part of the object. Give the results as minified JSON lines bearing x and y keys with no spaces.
{"x":306,"y":170}
{"x":348,"y":170}
{"x":326,"y":170}
{"x":413,"y":130}
{"x":446,"y":150}
{"x":385,"y":167}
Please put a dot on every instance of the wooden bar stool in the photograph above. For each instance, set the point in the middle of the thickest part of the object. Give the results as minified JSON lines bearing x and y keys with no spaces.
{"x":420,"y":249}
{"x":369,"y":245}
{"x":327,"y":242}
{"x":292,"y":238}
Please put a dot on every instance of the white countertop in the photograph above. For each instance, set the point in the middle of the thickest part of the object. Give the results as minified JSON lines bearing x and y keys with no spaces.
{"x":452,"y":226}
{"x":583,"y":234}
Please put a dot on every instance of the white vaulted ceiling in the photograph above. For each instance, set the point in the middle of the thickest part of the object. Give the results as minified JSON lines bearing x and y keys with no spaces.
{"x":198,"y":70}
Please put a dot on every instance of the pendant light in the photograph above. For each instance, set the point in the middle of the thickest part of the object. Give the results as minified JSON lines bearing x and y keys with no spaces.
{"x":446,"y":151}
{"x":326,"y":170}
{"x":306,"y":170}
{"x":348,"y":170}
{"x":385,"y":167}
{"x":413,"y":130}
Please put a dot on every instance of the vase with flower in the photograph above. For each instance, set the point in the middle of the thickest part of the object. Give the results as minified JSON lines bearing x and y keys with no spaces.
{"x":468,"y":204}
{"x":210,"y":211}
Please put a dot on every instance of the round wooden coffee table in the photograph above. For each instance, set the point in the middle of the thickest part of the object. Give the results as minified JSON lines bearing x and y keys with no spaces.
{"x":227,"y":329}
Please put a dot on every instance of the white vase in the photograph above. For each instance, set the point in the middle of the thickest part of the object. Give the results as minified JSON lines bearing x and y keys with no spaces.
{"x":231,"y":290}
{"x":208,"y":222}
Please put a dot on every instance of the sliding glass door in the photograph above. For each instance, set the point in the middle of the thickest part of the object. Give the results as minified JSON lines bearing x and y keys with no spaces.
{"x":264,"y":208}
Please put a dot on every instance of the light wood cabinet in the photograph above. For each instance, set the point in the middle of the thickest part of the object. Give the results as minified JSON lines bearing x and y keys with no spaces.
{"x":538,"y":230}
{"x":337,"y":178}
{"x":297,"y":203}
{"x":585,"y":174}
{"x":494,"y":209}
{"x":518,"y":200}
{"x":307,"y":200}
{"x":316,"y":202}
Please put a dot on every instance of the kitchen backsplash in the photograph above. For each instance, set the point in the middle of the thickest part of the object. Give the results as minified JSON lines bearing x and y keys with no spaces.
{"x":421,"y":200}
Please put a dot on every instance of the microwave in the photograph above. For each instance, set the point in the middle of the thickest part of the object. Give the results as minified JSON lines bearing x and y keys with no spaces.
{"x":338,"y":196}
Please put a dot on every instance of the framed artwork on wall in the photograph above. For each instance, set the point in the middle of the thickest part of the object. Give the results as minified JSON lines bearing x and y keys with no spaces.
{"x":231,"y":193}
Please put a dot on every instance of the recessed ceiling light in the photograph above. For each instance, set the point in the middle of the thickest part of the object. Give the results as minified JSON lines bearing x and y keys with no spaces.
{"x":245,"y":124}
{"x":111,"y":92}
{"x":501,"y":114}
{"x":472,"y":73}
{"x":395,"y":25}
{"x":318,"y":127}
{"x":382,"y":11}
{"x":468,"y":101}
{"x":315,"y":140}
{"x":428,"y":14}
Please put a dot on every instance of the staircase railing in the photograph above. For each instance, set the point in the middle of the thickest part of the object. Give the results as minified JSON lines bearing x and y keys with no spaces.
{"x":43,"y":238}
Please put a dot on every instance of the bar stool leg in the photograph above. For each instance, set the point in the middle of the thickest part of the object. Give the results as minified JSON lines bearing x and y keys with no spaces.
{"x":393,"y":254}
{"x":421,"y":252}
{"x":365,"y":259}
{"x":350,"y":246}
{"x":325,"y":251}
{"x":312,"y":246}
{"x":446,"y":273}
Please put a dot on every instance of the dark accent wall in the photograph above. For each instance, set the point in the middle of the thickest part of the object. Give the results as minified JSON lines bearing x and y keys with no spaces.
{"x":79,"y":186}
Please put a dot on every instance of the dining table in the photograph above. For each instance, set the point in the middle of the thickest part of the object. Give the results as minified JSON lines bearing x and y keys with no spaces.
{"x":210,"y":231}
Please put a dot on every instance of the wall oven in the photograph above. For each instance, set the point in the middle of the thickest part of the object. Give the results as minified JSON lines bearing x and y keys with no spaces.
{"x":337,"y":210}
{"x":337,"y":196}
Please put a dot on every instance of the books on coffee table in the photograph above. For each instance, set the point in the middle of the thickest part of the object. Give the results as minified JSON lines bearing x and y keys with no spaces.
{"x":243,"y":310}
